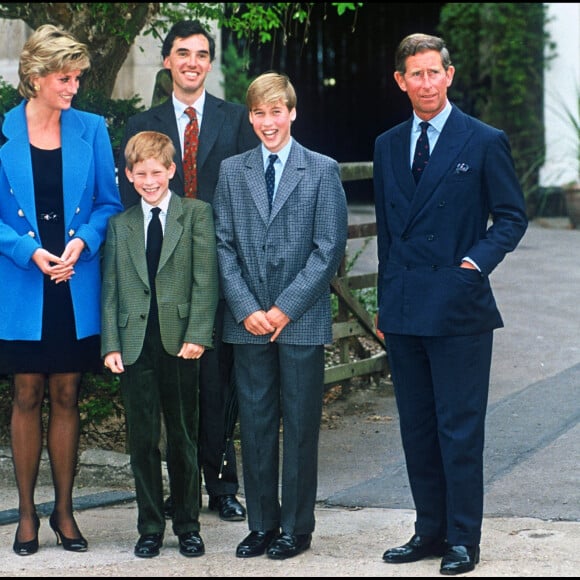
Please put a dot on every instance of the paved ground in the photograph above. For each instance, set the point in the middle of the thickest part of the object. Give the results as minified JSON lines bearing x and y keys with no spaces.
{"x":532,"y":508}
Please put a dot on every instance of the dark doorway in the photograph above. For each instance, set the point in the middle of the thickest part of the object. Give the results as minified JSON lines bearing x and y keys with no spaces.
{"x":344,"y":78}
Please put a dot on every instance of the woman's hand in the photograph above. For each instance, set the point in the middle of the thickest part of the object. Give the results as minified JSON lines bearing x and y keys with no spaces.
{"x":52,"y":266}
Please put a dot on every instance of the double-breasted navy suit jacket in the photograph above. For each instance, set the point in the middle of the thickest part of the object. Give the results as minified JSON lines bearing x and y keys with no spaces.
{"x":286,"y":257}
{"x":225,"y":131}
{"x":91,"y":196}
{"x":468,"y":203}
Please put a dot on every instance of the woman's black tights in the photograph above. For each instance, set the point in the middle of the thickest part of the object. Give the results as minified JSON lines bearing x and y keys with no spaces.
{"x":62,"y":443}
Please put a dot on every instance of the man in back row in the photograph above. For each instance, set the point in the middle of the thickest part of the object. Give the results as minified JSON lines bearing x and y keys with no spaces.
{"x":224,"y":130}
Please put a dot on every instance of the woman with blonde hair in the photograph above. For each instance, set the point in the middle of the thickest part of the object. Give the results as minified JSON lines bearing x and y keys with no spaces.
{"x":57,"y":192}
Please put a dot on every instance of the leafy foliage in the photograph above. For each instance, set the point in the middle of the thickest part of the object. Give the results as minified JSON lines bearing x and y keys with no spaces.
{"x":236,"y":78}
{"x":110,"y":29}
{"x":9,"y":96}
{"x":115,"y":111}
{"x":499,"y":51}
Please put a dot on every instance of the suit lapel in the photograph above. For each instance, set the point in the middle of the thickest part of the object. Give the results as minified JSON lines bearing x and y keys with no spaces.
{"x":256,"y":182}
{"x":173,"y":229}
{"x":451,"y":141}
{"x":136,"y":240}
{"x":291,"y":176}
{"x":400,"y":158}
{"x":76,"y":159}
{"x":166,"y":123}
{"x":213,"y":119}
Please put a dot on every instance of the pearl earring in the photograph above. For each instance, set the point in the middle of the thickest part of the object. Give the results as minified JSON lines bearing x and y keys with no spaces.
{"x":36,"y":87}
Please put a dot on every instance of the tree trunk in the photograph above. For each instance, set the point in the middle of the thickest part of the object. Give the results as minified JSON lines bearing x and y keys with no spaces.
{"x":109,"y":30}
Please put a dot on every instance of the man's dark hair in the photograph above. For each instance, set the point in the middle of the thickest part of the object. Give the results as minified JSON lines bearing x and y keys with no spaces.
{"x":185,"y":29}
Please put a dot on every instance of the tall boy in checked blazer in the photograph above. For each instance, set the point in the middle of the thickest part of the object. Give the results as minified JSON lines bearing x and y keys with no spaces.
{"x":276,"y":265}
{"x":155,"y":328}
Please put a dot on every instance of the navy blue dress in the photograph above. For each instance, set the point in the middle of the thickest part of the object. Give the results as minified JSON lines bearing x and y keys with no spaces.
{"x":58,"y":351}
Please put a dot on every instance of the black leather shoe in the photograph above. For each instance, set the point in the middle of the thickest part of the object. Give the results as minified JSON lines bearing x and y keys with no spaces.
{"x":148,"y":545}
{"x":229,"y":508}
{"x":168,"y":508}
{"x":459,"y":559}
{"x":191,"y":544}
{"x":417,"y":548}
{"x":255,"y":544}
{"x":288,"y":546}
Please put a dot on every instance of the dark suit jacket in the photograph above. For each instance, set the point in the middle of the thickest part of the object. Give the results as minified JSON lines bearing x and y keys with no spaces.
{"x":424,"y":231}
{"x":225,"y":131}
{"x":186,"y":282}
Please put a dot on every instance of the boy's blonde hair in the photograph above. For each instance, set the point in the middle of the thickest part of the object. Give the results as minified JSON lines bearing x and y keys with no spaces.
{"x":149,"y":145}
{"x":48,"y":50}
{"x":271,"y":87}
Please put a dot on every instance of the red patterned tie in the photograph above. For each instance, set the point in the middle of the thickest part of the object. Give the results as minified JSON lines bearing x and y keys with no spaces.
{"x":190,"y":153}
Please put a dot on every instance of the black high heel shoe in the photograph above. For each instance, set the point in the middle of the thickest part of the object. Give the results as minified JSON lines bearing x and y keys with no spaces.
{"x":30,"y":547}
{"x":70,"y":544}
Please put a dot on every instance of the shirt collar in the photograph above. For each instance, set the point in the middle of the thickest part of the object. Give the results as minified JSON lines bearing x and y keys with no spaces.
{"x":436,"y":122}
{"x":163,"y":206}
{"x":283,"y":154}
{"x":180,"y":107}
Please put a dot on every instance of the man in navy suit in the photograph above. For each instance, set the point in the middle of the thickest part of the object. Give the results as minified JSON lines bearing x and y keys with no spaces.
{"x":224,"y":130}
{"x":439,"y":237}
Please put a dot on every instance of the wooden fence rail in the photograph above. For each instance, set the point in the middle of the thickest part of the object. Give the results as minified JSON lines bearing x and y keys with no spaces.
{"x":352,"y":320}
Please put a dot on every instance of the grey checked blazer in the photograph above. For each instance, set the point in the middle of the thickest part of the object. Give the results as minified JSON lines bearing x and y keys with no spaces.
{"x":186,"y":282}
{"x":287,"y":257}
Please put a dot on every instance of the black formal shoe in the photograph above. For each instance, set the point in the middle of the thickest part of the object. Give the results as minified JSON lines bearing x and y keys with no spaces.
{"x":229,"y":508}
{"x":191,"y":544}
{"x":148,"y":545}
{"x":459,"y":559}
{"x":417,"y":548}
{"x":30,"y":547}
{"x":255,"y":544}
{"x":168,"y":508}
{"x":70,"y":544}
{"x":288,"y":546}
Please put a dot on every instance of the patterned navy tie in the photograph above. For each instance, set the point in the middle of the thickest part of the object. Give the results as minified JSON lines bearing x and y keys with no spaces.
{"x":421,"y":157}
{"x":271,"y":178}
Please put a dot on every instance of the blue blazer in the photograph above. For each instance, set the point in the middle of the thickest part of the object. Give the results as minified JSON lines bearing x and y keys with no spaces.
{"x":91,"y":196}
{"x":286,"y":257}
{"x":424,"y":231}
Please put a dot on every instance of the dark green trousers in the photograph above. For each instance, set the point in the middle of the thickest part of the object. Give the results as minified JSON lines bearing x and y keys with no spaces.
{"x":160,"y":383}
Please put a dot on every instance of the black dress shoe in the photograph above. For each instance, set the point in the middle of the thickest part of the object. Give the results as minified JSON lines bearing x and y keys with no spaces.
{"x":30,"y":547}
{"x":417,"y":548}
{"x":255,"y":544}
{"x":148,"y":545}
{"x":459,"y":559}
{"x":191,"y":544}
{"x":288,"y":546}
{"x":229,"y":508}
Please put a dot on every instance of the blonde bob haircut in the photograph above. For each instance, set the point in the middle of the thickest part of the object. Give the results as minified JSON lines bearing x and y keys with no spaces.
{"x":48,"y":50}
{"x":271,"y":87}
{"x":149,"y":145}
